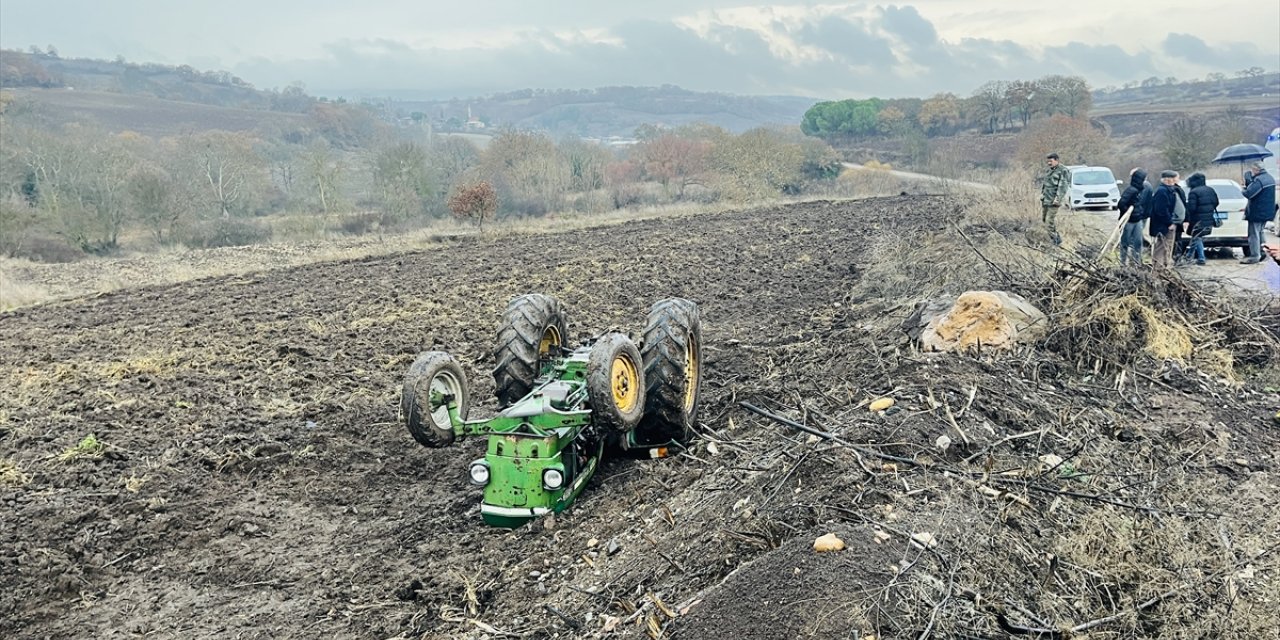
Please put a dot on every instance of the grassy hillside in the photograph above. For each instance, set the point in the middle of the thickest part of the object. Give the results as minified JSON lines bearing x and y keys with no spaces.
{"x":181,"y":83}
{"x":1240,"y":91}
{"x":157,"y":117}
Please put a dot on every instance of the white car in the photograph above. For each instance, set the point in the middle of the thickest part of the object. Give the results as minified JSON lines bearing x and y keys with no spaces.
{"x":1092,"y":188}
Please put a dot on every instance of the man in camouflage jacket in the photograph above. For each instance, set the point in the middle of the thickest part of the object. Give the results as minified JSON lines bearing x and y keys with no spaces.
{"x":1053,"y":190}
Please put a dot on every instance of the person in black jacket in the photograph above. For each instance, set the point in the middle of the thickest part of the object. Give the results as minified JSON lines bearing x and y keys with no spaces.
{"x":1161,"y":214}
{"x":1202,"y":202}
{"x":1134,"y":203}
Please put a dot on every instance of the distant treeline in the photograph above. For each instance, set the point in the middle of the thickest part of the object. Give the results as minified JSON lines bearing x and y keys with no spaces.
{"x":992,"y":107}
{"x":1001,"y":105}
{"x":1245,"y":83}
{"x":73,"y":189}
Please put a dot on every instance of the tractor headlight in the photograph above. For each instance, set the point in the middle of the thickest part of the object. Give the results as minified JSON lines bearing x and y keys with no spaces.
{"x":552,"y":479}
{"x":479,"y":473}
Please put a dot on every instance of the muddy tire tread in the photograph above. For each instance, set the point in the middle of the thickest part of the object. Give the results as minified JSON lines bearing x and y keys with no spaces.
{"x":415,"y":414}
{"x":516,"y":352}
{"x":670,"y":325}
{"x":604,"y":412}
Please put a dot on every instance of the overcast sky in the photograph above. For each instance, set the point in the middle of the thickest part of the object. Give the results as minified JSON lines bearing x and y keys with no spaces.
{"x":434,"y":48}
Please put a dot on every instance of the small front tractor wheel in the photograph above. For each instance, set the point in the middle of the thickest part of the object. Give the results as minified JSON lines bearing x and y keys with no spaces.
{"x":672,"y":354}
{"x":534,"y":328}
{"x":434,"y":373}
{"x":615,"y":383}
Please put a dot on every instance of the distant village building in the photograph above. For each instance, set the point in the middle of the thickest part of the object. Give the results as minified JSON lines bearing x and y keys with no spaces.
{"x":473,"y":123}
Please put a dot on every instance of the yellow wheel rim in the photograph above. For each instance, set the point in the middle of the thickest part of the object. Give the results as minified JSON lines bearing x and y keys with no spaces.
{"x":550,"y":338}
{"x":691,"y":369}
{"x":625,"y":380}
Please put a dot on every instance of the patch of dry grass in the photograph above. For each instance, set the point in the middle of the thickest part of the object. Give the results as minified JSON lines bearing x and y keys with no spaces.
{"x":11,"y":475}
{"x":134,"y":483}
{"x":869,"y":182}
{"x":16,"y":293}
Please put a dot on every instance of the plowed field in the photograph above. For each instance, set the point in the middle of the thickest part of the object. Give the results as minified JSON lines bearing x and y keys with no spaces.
{"x":250,"y":477}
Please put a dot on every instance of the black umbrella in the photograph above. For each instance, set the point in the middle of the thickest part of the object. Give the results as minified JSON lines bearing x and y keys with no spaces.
{"x":1242,"y":153}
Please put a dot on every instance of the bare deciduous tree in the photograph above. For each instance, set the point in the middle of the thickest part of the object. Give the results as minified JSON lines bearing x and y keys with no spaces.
{"x":322,"y":170}
{"x":760,"y":163}
{"x":1187,"y":144}
{"x":992,"y":103}
{"x":673,"y":160}
{"x":228,"y":168}
{"x":402,"y":180}
{"x":528,"y":171}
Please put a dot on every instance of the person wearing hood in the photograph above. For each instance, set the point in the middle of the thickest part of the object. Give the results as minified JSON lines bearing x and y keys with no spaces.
{"x":1202,"y":202}
{"x":1163,"y":216}
{"x":1134,"y":202}
{"x":1261,"y":194}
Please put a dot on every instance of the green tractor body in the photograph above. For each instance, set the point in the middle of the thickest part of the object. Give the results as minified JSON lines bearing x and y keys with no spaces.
{"x":543,"y":448}
{"x":539,"y":455}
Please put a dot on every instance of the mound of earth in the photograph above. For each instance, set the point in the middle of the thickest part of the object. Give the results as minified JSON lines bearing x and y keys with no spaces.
{"x":793,"y":592}
{"x":223,"y":458}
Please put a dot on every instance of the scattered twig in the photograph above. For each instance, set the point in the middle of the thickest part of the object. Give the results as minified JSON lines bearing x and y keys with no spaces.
{"x":1103,"y":499}
{"x":826,"y":436}
{"x":568,"y":619}
{"x":992,"y":446}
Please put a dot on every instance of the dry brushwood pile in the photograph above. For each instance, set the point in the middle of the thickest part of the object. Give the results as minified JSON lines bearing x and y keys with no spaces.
{"x":223,"y":458}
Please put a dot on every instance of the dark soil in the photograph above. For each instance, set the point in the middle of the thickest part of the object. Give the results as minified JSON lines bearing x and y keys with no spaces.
{"x":255,"y":480}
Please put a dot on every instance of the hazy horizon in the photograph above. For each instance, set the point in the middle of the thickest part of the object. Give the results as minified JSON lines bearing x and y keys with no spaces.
{"x":439,"y":50}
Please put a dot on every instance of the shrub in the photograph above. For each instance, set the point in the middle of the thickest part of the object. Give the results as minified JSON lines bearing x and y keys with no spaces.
{"x":359,"y":223}
{"x":1076,"y":141}
{"x":228,"y":232}
{"x":477,"y":201}
{"x":49,"y":248}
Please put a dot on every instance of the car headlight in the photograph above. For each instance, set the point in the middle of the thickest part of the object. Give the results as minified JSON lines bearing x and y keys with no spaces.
{"x":552,"y":479}
{"x":479,"y":473}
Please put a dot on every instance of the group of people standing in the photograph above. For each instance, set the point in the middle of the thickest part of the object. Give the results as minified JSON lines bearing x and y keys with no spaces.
{"x":1173,"y":217}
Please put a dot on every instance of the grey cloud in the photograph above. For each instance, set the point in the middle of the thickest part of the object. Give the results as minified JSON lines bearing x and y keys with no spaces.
{"x":1102,"y":60}
{"x":866,"y":57}
{"x":1228,"y":56}
{"x":851,"y":41}
{"x":651,"y":53}
{"x":909,"y":25}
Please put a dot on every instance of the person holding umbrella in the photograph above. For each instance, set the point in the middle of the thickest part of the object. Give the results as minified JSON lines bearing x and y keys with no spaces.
{"x":1261,"y":194}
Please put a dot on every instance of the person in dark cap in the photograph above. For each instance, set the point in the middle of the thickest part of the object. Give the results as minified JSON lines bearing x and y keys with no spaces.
{"x":1164,"y":204}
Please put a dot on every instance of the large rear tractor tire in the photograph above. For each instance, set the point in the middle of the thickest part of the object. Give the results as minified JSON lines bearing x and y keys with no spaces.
{"x":615,"y":383}
{"x":672,"y":355}
{"x":534,"y":329}
{"x":428,"y":421}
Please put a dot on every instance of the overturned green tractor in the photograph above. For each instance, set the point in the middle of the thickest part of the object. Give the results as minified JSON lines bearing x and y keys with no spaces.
{"x":561,"y":407}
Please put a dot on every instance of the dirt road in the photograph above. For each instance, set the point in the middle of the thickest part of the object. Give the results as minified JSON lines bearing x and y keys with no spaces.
{"x":1222,"y":266}
{"x":928,"y":179}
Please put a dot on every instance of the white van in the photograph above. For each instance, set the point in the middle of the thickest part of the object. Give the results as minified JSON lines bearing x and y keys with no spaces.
{"x":1092,"y":188}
